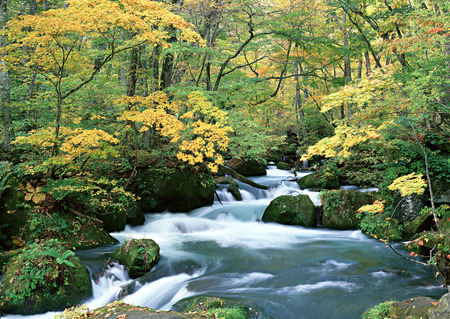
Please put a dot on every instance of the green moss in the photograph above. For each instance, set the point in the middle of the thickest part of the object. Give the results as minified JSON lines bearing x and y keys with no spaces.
{"x":138,"y":256}
{"x":285,"y":166}
{"x":291,"y":210}
{"x":159,"y":187}
{"x":74,"y":232}
{"x":212,"y":307}
{"x":44,"y":277}
{"x":380,"y":311}
{"x":340,"y":206}
{"x":381,"y":226}
{"x":327,"y":177}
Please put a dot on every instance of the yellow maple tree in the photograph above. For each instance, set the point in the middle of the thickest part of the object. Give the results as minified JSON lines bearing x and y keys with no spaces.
{"x":197,"y":127}
{"x":69,"y":46}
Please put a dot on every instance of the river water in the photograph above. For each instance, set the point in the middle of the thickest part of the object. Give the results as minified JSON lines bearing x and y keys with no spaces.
{"x":289,"y":272}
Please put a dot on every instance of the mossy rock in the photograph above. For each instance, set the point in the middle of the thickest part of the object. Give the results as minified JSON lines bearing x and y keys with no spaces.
{"x":340,"y":206}
{"x":327,"y":177}
{"x":119,"y":309}
{"x":176,"y":190}
{"x":407,"y":208}
{"x":291,"y":210}
{"x":247,"y":167}
{"x":74,"y":232}
{"x":138,"y":256}
{"x":6,"y":256}
{"x":114,"y":220}
{"x":441,"y":191}
{"x":309,"y":181}
{"x":381,"y":227}
{"x":413,"y":308}
{"x":13,"y":215}
{"x":442,"y":309}
{"x":232,"y":188}
{"x":284,"y":166}
{"x":44,"y":277}
{"x":213,"y":307}
{"x":421,"y":223}
{"x":135,"y":216}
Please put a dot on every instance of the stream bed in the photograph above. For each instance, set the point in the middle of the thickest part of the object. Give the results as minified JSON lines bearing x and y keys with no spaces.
{"x":225,"y":250}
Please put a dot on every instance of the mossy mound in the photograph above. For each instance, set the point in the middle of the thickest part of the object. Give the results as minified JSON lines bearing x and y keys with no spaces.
{"x":138,"y":256}
{"x":421,"y":223}
{"x":116,"y":220}
{"x":291,"y":210}
{"x":284,"y":166}
{"x":119,"y":309}
{"x":247,"y":167}
{"x":176,"y":190}
{"x":44,"y":277}
{"x":212,"y":307}
{"x":327,"y":177}
{"x":74,"y":232}
{"x":381,"y":226}
{"x":380,"y":311}
{"x":340,"y":206}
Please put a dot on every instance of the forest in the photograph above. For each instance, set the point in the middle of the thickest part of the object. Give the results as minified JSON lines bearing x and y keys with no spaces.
{"x":113,"y":108}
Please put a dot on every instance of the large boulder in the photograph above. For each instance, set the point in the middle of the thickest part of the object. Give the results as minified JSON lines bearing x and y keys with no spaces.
{"x":138,"y":256}
{"x":44,"y":277}
{"x":407,"y":208}
{"x":441,"y":191}
{"x":176,"y":190}
{"x":284,"y":166}
{"x":327,"y":177}
{"x":247,"y":167}
{"x":340,"y":206}
{"x":417,"y":307}
{"x":381,"y":226}
{"x":421,"y":223}
{"x":74,"y":232}
{"x":113,"y":220}
{"x":291,"y":210}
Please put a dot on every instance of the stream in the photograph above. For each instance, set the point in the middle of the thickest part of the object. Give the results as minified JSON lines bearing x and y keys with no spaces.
{"x":224,"y":250}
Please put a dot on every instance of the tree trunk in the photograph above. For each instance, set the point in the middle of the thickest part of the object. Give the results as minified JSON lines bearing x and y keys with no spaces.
{"x":367,"y":58}
{"x":8,"y":133}
{"x":167,"y":65}
{"x":299,"y":104}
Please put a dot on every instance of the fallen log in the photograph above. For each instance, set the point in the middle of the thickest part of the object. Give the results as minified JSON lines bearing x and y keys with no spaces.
{"x":240,"y":178}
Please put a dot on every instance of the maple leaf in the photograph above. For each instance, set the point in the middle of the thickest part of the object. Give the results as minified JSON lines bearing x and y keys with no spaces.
{"x":34,"y":194}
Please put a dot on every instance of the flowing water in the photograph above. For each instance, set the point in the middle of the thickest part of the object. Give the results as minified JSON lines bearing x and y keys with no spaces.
{"x":289,"y":272}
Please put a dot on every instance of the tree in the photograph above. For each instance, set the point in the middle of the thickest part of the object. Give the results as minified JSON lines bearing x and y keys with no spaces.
{"x":69,"y":47}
